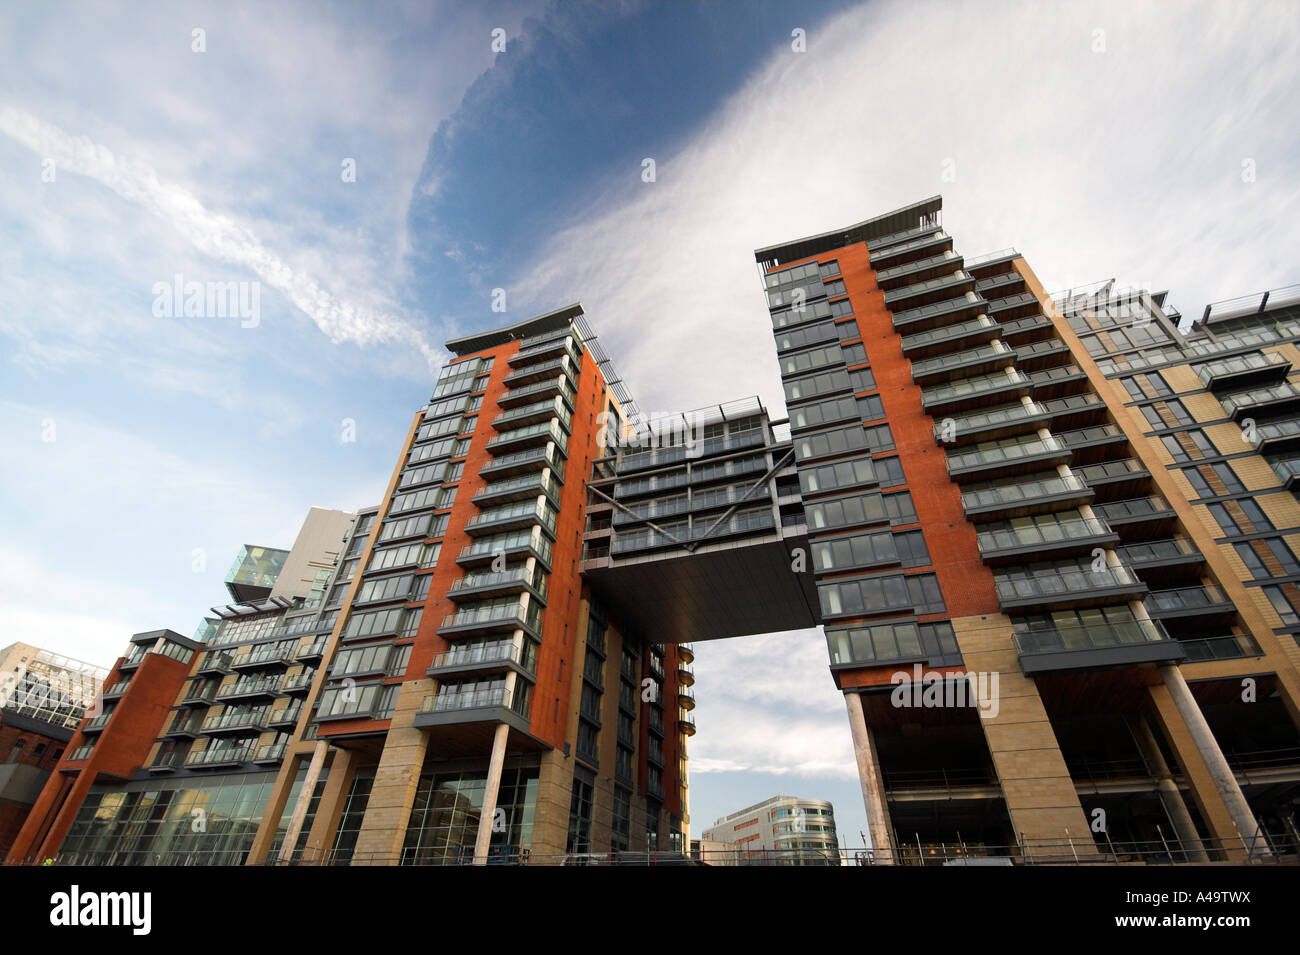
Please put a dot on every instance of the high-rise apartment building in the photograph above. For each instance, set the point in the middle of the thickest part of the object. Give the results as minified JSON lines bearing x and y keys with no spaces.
{"x":782,"y":830}
{"x":1053,"y":546}
{"x":1051,"y":542}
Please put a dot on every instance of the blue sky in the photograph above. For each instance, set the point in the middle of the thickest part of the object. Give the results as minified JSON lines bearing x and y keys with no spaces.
{"x":1100,"y":140}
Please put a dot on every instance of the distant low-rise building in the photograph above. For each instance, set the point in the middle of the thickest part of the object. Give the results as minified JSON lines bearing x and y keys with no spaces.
{"x":783,"y":830}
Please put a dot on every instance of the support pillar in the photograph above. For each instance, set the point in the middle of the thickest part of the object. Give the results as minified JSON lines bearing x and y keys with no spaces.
{"x":304,"y":800}
{"x":483,"y":840}
{"x":1170,"y":796}
{"x":1220,"y":772}
{"x":873,"y":785}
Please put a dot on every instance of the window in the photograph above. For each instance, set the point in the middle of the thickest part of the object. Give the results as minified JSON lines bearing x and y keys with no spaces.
{"x":1267,"y":558}
{"x":1284,"y":597}
{"x":881,"y":593}
{"x":825,"y":443}
{"x":1240,"y":517}
{"x":841,"y":474}
{"x":870,"y":408}
{"x":1166,"y":414}
{"x":1214,"y":480}
{"x":854,"y":354}
{"x":1189,"y":445}
{"x":815,"y":386}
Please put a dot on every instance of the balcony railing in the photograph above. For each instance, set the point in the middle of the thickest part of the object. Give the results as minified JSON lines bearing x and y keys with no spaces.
{"x":1228,"y":646}
{"x":1263,"y":398}
{"x":486,"y":653}
{"x":1136,"y":509}
{"x":965,"y":389}
{"x":533,"y":434}
{"x":494,"y":696}
{"x":982,"y":358}
{"x":1084,"y":532}
{"x":1188,"y":601}
{"x":1242,"y":367}
{"x":1098,"y":645}
{"x":1005,"y":455}
{"x":1022,"y":492}
{"x":1066,"y":583}
{"x":932,"y":340}
{"x":221,"y":754}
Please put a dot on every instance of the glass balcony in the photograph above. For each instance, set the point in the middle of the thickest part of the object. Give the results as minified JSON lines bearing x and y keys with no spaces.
{"x":517,"y":544}
{"x":1064,"y":536}
{"x":517,"y":653}
{"x":1075,"y":411}
{"x":1205,"y":600}
{"x":264,"y":657}
{"x":1010,"y":456}
{"x":567,"y":345}
{"x":1170,"y":552}
{"x":254,"y":572}
{"x":939,"y":313}
{"x":313,"y":651}
{"x":653,"y":510}
{"x":533,"y":459}
{"x":1121,"y":479}
{"x":266,"y":686}
{"x":978,"y":391}
{"x":529,"y":414}
{"x":285,"y":716}
{"x":1037,"y":494}
{"x":1000,"y":421}
{"x":930,"y":291}
{"x":220,"y":756}
{"x":1264,"y":399}
{"x":936,"y":341}
{"x":1274,"y":436}
{"x":1227,"y":646}
{"x":929,"y":244}
{"x":1287,"y":469}
{"x":201,"y":694}
{"x":1240,"y":369}
{"x":533,"y":435}
{"x":1000,"y":284}
{"x":1068,"y":586}
{"x":1032,"y":356}
{"x":475,"y":585}
{"x":547,"y":388}
{"x":512,"y":517}
{"x":1013,"y":303}
{"x":980,"y":360}
{"x":250,"y":721}
{"x":932,"y":266}
{"x":531,"y":374}
{"x":490,"y":701}
{"x":1135,"y":510}
{"x":518,"y":489}
{"x":271,"y":752}
{"x":507,"y":616}
{"x":1055,"y":382}
{"x":1016,"y":330}
{"x":1095,"y":647}
{"x":186,"y":725}
{"x":297,"y":682}
{"x":116,"y":690}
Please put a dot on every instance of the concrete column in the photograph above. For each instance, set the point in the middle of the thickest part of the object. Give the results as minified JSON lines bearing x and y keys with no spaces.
{"x":483,"y":839}
{"x":304,"y":798}
{"x":1175,"y":806}
{"x":873,"y":786}
{"x":1220,"y":773}
{"x":320,"y":840}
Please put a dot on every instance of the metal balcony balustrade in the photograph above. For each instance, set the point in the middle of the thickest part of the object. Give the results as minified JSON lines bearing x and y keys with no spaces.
{"x":1010,"y":302}
{"x":250,"y":720}
{"x":686,"y":723}
{"x":263,"y":656}
{"x":1002,"y":280}
{"x":1094,"y":436}
{"x":494,"y":616}
{"x":312,"y":650}
{"x":925,"y":245}
{"x":486,"y":655}
{"x":221,"y":755}
{"x":1237,"y":369}
{"x":1228,"y":646}
{"x":486,"y":549}
{"x":201,"y":694}
{"x":98,"y":723}
{"x":296,"y":682}
{"x":1147,"y":553}
{"x":1277,"y":435}
{"x":134,"y":657}
{"x":557,"y":386}
{"x":1201,"y":600}
{"x":705,"y":528}
{"x":1150,"y":507}
{"x":518,"y":488}
{"x":285,"y":716}
{"x":1055,"y":379}
{"x":533,"y":459}
{"x":185,"y":724}
{"x":534,"y":435}
{"x":1069,"y":534}
{"x":1068,"y":585}
{"x":982,"y":388}
{"x":1040,"y":353}
{"x":259,"y":686}
{"x":271,"y":752}
{"x":1264,"y":398}
{"x":930,"y":290}
{"x":948,"y":337}
{"x":1000,"y":421}
{"x":448,"y":699}
{"x":1007,"y":456}
{"x":939,"y":313}
{"x":983,"y":358}
{"x":652,"y":510}
{"x":1096,"y":646}
{"x":116,"y":690}
{"x":1015,"y":496}
{"x":1287,"y":468}
{"x":526,"y":356}
{"x":1015,"y":327}
{"x":674,"y":454}
{"x":533,"y":373}
{"x":516,"y":579}
{"x":529,"y":413}
{"x":1126,"y":470}
{"x":522,"y":514}
{"x":894,"y":276}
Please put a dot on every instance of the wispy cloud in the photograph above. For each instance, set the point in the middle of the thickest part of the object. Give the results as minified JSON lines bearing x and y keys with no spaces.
{"x":216,"y":235}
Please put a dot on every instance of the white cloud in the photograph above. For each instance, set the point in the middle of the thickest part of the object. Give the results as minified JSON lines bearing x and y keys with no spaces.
{"x":216,"y":235}
{"x":1122,"y":163}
